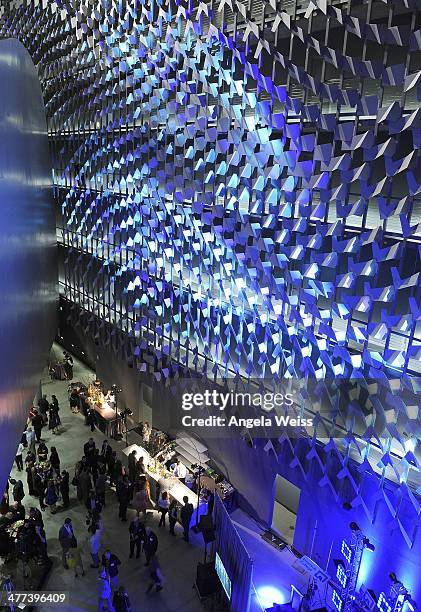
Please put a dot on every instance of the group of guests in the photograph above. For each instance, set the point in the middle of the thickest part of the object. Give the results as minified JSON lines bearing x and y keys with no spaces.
{"x":44,"y":477}
{"x":47,"y":414}
{"x":110,"y":592}
{"x":98,"y":471}
{"x":22,"y":533}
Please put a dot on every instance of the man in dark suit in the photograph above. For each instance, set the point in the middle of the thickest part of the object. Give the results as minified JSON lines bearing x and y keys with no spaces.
{"x":123,"y":496}
{"x":89,"y":450}
{"x":67,"y":539}
{"x":185,"y":516}
{"x":132,"y":466}
{"x":44,"y":407}
{"x":137,"y":536}
{"x":37,"y":424}
{"x":150,"y":544}
{"x":110,"y":563}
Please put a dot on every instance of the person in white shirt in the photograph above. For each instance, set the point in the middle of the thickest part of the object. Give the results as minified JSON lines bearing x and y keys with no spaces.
{"x":30,"y":438}
{"x":95,"y":545}
{"x":146,"y":433}
{"x":179,"y":470}
{"x":18,"y":458}
{"x":163,"y":505}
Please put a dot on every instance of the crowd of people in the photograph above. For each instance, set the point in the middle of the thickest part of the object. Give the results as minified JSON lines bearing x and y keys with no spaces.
{"x":99,"y":478}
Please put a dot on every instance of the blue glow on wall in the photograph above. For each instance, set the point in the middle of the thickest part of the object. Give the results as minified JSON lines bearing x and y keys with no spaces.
{"x":230,"y":213}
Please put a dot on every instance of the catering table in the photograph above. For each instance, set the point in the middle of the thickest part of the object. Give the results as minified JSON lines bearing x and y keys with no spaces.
{"x":107,"y":420}
{"x":167,"y":481}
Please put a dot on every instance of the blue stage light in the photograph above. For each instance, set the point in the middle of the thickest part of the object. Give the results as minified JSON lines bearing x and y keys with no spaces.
{"x":268,"y":596}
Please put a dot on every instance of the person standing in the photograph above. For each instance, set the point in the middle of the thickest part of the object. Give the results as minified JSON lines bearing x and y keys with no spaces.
{"x":95,"y":545}
{"x":89,"y":450}
{"x":18,"y":492}
{"x":74,"y":401}
{"x":118,"y":471}
{"x":55,"y":422}
{"x":67,"y":539}
{"x":110,"y":563}
{"x":18,"y":458}
{"x":18,"y":511}
{"x":41,"y":542}
{"x":64,"y":488}
{"x":55,"y":459}
{"x":41,"y":488}
{"x":35,"y":516}
{"x":30,"y":439}
{"x":52,"y":419}
{"x":85,"y":485}
{"x":51,"y":496}
{"x":56,"y":407}
{"x":111,"y":466}
{"x":142,"y":500}
{"x":123,"y":496}
{"x":30,"y":472}
{"x":43,"y":406}
{"x":37,"y":423}
{"x":121,"y":601}
{"x":173,"y":516}
{"x":90,"y":418}
{"x":185,"y":515}
{"x":179,"y":470}
{"x":137,"y":535}
{"x":104,"y":591}
{"x":132,"y":466}
{"x":100,"y":483}
{"x":74,"y":561}
{"x":150,"y":544}
{"x":140,"y":467}
{"x":163,"y":505}
{"x":146,"y":434}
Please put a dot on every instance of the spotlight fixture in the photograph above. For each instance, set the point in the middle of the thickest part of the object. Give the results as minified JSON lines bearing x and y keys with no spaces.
{"x":368,"y":545}
{"x":346,"y":506}
{"x":410,"y":603}
{"x":126,"y":412}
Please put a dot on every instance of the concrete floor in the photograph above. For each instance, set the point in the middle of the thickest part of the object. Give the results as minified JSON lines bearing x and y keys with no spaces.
{"x":178,"y":559}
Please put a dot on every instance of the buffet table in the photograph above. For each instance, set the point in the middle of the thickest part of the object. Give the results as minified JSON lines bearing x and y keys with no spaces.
{"x":106,"y":415}
{"x":167,"y":481}
{"x":107,"y":420}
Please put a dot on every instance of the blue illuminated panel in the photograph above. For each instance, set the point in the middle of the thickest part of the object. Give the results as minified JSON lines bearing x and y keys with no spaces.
{"x":346,"y":551}
{"x":337,"y":601}
{"x":223,"y":576}
{"x":341,"y":575}
{"x":382,"y":604}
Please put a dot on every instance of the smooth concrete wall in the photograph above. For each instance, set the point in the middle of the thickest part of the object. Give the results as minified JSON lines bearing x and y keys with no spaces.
{"x":28,"y":264}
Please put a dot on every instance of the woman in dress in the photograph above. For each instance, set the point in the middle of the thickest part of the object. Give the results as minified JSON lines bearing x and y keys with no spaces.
{"x":54,"y":407}
{"x":55,"y":459}
{"x":51,"y":496}
{"x":142,"y":500}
